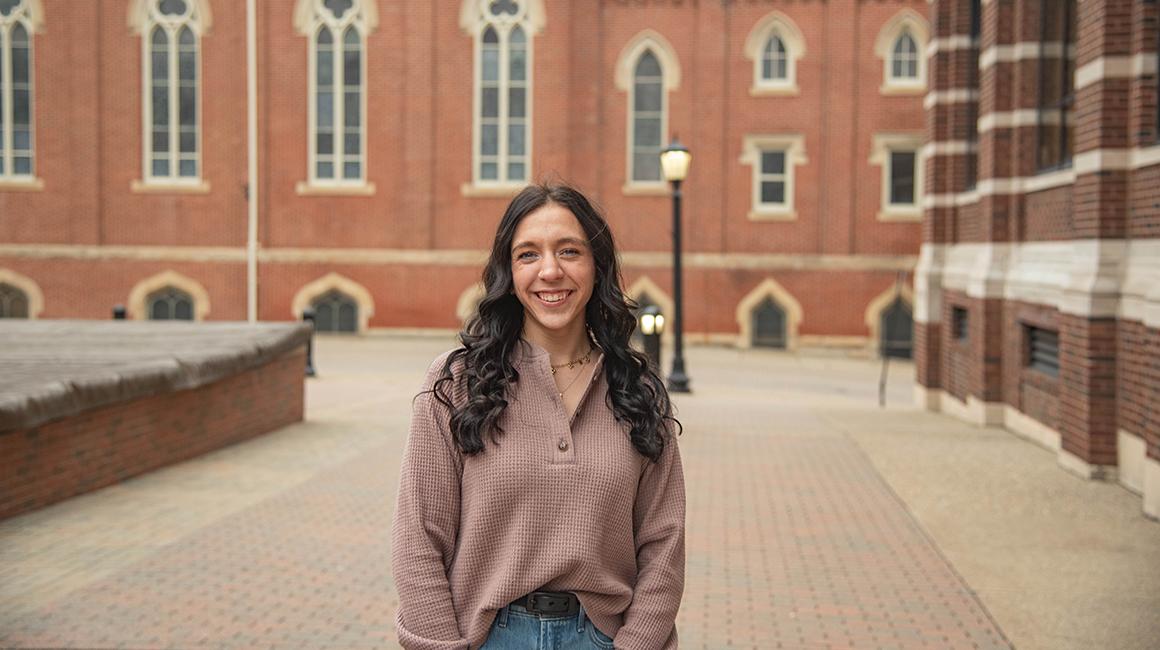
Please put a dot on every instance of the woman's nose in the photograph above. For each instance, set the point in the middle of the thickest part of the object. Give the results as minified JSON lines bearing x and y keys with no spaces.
{"x":550,"y":270}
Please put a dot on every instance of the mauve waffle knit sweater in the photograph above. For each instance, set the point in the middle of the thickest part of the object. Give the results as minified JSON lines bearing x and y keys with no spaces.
{"x":556,"y":505}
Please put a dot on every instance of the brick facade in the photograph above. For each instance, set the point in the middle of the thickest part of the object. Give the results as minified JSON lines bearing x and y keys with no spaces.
{"x":1067,"y":249}
{"x":413,"y":237}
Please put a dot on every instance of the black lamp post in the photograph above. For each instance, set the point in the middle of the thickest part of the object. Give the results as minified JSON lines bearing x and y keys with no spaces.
{"x":675,"y":165}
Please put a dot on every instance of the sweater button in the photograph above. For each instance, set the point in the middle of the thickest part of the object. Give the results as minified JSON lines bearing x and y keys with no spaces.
{"x":563,"y":445}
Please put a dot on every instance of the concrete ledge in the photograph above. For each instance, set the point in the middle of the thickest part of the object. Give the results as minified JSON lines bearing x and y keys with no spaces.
{"x":1152,"y":488}
{"x":1130,"y":454}
{"x":59,"y":368}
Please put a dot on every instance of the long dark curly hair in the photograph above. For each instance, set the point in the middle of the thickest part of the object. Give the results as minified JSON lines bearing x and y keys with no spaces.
{"x":636,"y":395}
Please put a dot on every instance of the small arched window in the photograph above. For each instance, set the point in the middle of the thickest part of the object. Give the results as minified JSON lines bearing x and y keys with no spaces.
{"x":15,"y":89}
{"x":13,"y":301}
{"x":335,"y":311}
{"x":904,"y":58}
{"x":769,"y":325}
{"x":170,"y":303}
{"x":774,"y":61}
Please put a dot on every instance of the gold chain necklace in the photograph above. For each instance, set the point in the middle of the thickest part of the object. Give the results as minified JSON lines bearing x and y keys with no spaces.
{"x":573,"y":363}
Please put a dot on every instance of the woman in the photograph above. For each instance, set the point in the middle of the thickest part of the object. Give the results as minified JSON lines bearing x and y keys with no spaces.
{"x":541,"y":493}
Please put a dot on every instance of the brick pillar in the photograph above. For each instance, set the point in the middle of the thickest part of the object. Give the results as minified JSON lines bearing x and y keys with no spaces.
{"x":1087,"y":392}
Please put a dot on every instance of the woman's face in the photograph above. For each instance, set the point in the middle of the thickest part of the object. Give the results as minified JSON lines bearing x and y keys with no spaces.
{"x":553,"y":271}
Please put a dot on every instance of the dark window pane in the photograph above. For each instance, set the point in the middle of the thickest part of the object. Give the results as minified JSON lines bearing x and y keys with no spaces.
{"x":488,"y":171}
{"x":518,"y":63}
{"x":347,"y":317}
{"x":769,"y":325}
{"x":160,"y":141}
{"x":159,"y":63}
{"x":647,"y":97}
{"x":491,"y":102}
{"x":183,"y":310}
{"x":188,"y":141}
{"x":188,"y":110}
{"x":782,"y":69}
{"x":187,"y":168}
{"x":187,"y":66}
{"x":325,"y":169}
{"x":350,"y":39}
{"x":766,"y":69}
{"x":159,"y":310}
{"x":646,"y":166}
{"x":325,"y":143}
{"x":325,"y":71}
{"x":516,"y":142}
{"x":13,"y":302}
{"x":160,"y":105}
{"x":516,"y":99}
{"x":489,"y":139}
{"x":338,"y":7}
{"x":20,"y":65}
{"x":902,"y":177}
{"x":350,"y":143}
{"x":646,"y":132}
{"x":490,"y":63}
{"x":517,"y":35}
{"x":352,"y":109}
{"x":22,"y":165}
{"x":324,"y":37}
{"x":351,"y":69}
{"x":21,"y":107}
{"x":185,"y":37}
{"x":160,"y":167}
{"x":515,"y":171}
{"x":172,"y":7}
{"x":159,"y":39}
{"x":351,"y":169}
{"x":21,"y":139}
{"x":325,"y":109}
{"x":773,"y":162}
{"x":773,"y":192}
{"x":490,"y":35}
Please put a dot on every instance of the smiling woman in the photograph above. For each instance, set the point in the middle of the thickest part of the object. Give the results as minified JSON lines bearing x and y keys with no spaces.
{"x":573,"y":528}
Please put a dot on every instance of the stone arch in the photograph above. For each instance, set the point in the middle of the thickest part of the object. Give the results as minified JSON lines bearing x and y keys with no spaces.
{"x":335,"y":282}
{"x":769,"y":288}
{"x":648,"y":39}
{"x":472,"y":17}
{"x":364,"y":12}
{"x":139,"y":16}
{"x":876,"y":307}
{"x":138,"y":308}
{"x":30,"y":288}
{"x":904,"y":20}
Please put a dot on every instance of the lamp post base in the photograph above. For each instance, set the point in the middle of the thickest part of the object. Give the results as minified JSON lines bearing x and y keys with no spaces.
{"x":679,"y":381}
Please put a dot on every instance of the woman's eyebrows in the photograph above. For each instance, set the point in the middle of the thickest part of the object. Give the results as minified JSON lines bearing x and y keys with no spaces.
{"x":575,"y":241}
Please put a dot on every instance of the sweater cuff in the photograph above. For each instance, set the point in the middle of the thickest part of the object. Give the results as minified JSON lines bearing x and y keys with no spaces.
{"x":411,"y":641}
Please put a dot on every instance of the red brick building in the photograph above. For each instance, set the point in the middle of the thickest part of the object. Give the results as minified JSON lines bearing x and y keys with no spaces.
{"x":388,"y":138}
{"x":1039,"y":280}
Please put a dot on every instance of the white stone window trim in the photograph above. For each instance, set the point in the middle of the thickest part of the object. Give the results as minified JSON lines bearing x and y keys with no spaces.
{"x":332,"y":281}
{"x":309,"y":17}
{"x":794,"y":148}
{"x":138,"y":303}
{"x":474,"y":19}
{"x":783,"y":27}
{"x":910,"y":22}
{"x":624,"y":77}
{"x":883,"y":144}
{"x":143,"y":18}
{"x":29,"y":15}
{"x":29,"y":287}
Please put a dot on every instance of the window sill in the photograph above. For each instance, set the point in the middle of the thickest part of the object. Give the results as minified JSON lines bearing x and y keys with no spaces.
{"x":901,"y":214}
{"x":772,"y":215}
{"x":21,"y":184}
{"x":646,"y":189}
{"x":498,"y":190}
{"x":788,"y":90}
{"x":304,"y":188}
{"x":897,"y":88}
{"x":162,"y":187}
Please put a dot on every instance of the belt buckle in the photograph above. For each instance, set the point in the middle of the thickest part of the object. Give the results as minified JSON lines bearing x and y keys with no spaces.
{"x":552,"y":604}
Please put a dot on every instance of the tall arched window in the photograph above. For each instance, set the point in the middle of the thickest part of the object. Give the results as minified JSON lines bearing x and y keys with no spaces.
{"x":15,"y":89}
{"x":337,"y":89}
{"x":172,"y":100}
{"x":648,"y":117}
{"x":502,"y":143}
{"x":901,"y":44}
{"x":335,"y":311}
{"x":774,"y":62}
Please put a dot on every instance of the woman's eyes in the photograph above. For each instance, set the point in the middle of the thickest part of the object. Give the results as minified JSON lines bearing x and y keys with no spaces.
{"x":531,"y":255}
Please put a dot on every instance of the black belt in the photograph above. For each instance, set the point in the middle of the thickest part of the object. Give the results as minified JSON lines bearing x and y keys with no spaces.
{"x":554,"y":603}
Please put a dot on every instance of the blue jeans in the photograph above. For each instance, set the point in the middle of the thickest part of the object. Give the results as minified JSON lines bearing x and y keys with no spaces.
{"x":515,"y":629}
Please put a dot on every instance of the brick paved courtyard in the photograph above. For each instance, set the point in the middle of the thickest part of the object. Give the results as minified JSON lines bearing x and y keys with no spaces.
{"x":812,"y":524}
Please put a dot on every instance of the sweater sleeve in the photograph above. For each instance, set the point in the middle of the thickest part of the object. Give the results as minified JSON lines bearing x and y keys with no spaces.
{"x":425,"y":528}
{"x":659,"y":529}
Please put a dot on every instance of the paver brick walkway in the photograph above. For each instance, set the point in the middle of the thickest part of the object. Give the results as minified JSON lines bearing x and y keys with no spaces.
{"x":794,"y":539}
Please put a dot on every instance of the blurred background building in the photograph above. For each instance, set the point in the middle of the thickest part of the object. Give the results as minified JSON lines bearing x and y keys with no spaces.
{"x":387,"y":139}
{"x":1039,"y":282}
